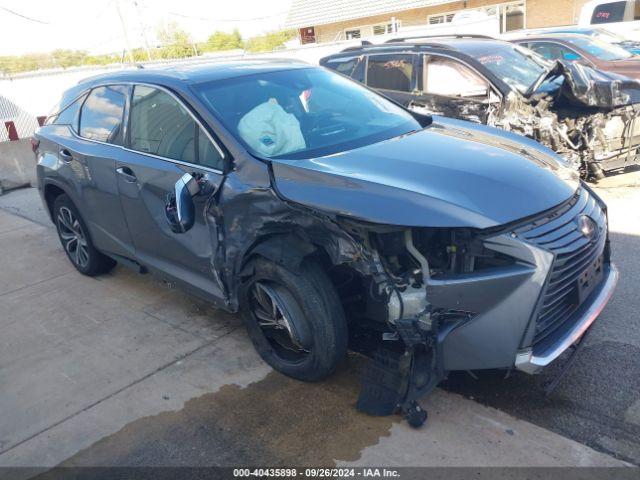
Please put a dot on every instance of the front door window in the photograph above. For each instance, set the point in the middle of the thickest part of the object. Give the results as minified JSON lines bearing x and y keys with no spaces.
{"x":443,"y":76}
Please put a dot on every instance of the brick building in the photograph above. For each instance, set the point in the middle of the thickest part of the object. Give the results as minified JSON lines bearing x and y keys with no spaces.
{"x":321,"y":21}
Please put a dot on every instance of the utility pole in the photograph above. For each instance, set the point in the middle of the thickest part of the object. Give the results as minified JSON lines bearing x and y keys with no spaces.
{"x":124,"y":31}
{"x":143,"y":28}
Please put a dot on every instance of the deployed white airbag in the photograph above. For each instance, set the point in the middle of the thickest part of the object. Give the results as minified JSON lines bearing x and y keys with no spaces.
{"x":270,"y":130}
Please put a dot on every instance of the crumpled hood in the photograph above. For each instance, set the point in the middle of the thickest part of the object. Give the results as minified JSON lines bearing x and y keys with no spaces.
{"x":451,"y":174}
{"x":586,"y":86}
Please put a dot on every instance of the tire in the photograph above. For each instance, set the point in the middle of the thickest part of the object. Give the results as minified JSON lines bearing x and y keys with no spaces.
{"x":313,"y":316}
{"x":75,"y":239}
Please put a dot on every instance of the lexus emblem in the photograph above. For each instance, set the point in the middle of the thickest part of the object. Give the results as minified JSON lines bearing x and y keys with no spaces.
{"x":587,"y":226}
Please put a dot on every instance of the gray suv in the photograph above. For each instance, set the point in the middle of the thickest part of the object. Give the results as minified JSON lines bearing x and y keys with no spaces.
{"x":331,"y":218}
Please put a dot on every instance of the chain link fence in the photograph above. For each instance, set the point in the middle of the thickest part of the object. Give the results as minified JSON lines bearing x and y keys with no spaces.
{"x":15,"y":122}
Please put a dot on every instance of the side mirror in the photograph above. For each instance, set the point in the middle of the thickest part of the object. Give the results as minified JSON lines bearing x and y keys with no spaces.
{"x":179,"y":207}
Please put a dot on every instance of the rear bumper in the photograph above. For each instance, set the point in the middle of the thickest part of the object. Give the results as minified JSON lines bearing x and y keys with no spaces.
{"x":531,"y":361}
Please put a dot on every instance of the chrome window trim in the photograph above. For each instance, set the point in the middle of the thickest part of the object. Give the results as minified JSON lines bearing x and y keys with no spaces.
{"x":132,"y":84}
{"x":171,"y":160}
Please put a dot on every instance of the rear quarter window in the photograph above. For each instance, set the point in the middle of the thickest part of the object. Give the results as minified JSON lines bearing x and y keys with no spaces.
{"x":352,"y":67}
{"x":68,"y":115}
{"x":102,"y":112}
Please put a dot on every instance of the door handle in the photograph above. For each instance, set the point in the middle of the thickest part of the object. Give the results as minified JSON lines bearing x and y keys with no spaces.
{"x":127,"y":174}
{"x":65,"y":155}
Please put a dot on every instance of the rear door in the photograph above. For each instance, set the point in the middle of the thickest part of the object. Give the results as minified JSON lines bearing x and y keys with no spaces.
{"x":88,"y":145}
{"x":165,"y":141}
{"x":450,"y":88}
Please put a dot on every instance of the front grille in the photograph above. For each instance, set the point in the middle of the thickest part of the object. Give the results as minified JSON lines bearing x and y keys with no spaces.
{"x":575,"y":255}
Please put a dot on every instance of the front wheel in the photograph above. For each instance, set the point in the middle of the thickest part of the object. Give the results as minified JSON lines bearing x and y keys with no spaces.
{"x":294,"y":319}
{"x":76,"y":241}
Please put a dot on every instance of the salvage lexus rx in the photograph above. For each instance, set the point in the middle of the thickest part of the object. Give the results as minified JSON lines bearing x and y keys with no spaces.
{"x":585,"y":115}
{"x":331,"y":218}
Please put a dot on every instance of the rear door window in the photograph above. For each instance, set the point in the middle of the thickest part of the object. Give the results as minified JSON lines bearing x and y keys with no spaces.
{"x":390,"y":72}
{"x":102,"y":112}
{"x":608,"y":12}
{"x":161,"y":126}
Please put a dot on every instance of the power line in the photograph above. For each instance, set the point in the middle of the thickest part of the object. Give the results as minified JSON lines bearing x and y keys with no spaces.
{"x":219,"y":20}
{"x":23,"y":16}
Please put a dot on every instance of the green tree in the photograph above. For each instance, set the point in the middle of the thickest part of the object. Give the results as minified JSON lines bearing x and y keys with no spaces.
{"x":68,"y":58}
{"x":269,"y":41}
{"x":222,"y":41}
{"x":176,"y":43}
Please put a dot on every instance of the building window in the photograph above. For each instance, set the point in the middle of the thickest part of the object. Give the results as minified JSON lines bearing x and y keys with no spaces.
{"x":369,"y":30}
{"x":442,"y":18}
{"x":384,"y":28}
{"x":511,"y":17}
{"x":352,"y":33}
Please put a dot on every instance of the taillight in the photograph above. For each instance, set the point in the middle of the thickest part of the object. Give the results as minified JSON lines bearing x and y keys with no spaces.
{"x":35,"y":143}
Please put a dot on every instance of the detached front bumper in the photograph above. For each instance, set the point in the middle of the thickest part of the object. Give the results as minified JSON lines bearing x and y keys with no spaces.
{"x":531,"y":361}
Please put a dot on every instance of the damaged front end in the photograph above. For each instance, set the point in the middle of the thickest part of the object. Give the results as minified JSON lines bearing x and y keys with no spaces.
{"x":589,"y":119}
{"x":427,"y":284}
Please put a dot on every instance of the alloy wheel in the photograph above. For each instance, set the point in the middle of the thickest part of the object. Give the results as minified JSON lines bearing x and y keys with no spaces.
{"x":73,"y":237}
{"x":270,"y":310}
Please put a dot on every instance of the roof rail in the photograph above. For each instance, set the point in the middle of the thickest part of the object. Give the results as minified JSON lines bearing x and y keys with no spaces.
{"x":363,"y":44}
{"x":389,"y":45}
{"x":420,"y":37}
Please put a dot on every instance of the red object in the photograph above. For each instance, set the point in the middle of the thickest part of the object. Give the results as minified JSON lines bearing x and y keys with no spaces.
{"x":41,"y":119}
{"x":307,"y":35}
{"x":35,"y":143}
{"x":11,"y":130}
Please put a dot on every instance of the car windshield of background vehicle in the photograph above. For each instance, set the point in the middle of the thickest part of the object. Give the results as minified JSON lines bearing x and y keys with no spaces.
{"x":513,"y":65}
{"x":598,"y":48}
{"x":303,"y":113}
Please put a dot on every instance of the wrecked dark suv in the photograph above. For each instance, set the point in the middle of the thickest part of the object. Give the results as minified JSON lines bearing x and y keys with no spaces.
{"x":331,"y":218}
{"x":586,"y":116}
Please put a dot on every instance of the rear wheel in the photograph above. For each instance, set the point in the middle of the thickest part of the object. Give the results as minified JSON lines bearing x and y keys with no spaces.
{"x":294,"y":319}
{"x":75,"y":239}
